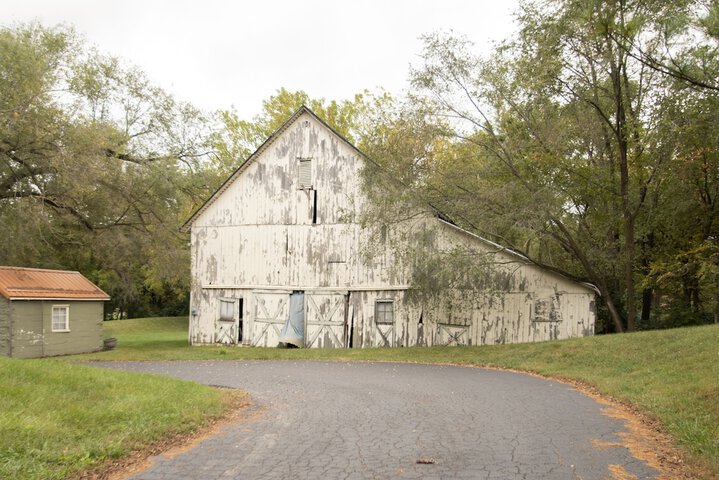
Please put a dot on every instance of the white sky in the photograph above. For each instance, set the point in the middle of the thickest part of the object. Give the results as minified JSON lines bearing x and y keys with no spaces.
{"x":220,"y":54}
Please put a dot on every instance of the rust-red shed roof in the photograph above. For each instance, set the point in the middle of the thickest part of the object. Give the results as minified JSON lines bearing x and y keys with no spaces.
{"x":18,"y":283}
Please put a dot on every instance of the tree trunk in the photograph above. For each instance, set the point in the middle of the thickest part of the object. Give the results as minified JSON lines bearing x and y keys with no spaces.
{"x":628,"y":215}
{"x":631,"y":302}
{"x":647,"y":297}
{"x":613,"y":311}
{"x":565,"y":237}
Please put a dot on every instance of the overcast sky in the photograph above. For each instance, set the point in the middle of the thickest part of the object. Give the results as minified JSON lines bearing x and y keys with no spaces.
{"x":221,"y":54}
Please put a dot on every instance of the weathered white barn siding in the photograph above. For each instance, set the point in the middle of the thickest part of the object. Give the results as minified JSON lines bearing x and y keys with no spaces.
{"x":261,"y":237}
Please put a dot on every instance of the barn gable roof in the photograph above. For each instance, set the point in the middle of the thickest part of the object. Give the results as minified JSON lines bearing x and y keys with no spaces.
{"x":517,"y":255}
{"x":17,"y":283}
{"x":265,"y":145}
{"x":440,"y":216}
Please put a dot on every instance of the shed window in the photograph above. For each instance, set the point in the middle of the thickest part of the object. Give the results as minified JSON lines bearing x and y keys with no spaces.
{"x":227,"y":310}
{"x":384,"y":312}
{"x":60,"y":318}
{"x":304,"y":173}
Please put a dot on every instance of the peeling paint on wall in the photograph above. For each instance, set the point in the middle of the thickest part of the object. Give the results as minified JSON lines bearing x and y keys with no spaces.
{"x":28,"y":337}
{"x":264,"y":237}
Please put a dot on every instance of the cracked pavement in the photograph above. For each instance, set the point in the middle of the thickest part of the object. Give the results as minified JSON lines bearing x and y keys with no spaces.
{"x":376,"y":420}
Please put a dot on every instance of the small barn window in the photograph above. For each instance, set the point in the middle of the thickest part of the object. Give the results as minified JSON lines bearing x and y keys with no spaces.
{"x":384,"y":312}
{"x":227,"y":310}
{"x":60,"y":318}
{"x":304,"y":173}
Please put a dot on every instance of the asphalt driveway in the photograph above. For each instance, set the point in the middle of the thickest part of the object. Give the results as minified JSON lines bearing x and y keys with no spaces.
{"x":313,"y":420}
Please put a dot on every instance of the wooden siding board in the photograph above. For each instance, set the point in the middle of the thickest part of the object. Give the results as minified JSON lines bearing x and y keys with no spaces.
{"x":27,"y":329}
{"x":85,"y":333}
{"x":32,"y":334}
{"x":5,"y":327}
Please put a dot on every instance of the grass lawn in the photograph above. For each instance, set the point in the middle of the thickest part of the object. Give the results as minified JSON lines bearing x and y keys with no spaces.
{"x":671,"y":374}
{"x":57,"y":418}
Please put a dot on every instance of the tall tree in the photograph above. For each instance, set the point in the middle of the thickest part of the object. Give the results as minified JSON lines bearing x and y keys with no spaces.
{"x":93,"y":165}
{"x":560,"y":142}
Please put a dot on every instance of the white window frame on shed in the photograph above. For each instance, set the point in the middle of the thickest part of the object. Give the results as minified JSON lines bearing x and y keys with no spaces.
{"x":304,"y":173}
{"x":384,"y":312}
{"x":55,"y":324}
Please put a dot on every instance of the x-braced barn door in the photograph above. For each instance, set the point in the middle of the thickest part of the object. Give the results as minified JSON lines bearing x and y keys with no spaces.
{"x":271,"y":312}
{"x":448,"y":335}
{"x":226,"y":332}
{"x":229,"y":321}
{"x":384,"y":336}
{"x":325,"y":314}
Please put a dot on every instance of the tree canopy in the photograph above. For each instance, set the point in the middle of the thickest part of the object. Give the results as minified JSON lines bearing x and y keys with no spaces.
{"x":99,"y":167}
{"x":586,"y":144}
{"x":94,"y":164}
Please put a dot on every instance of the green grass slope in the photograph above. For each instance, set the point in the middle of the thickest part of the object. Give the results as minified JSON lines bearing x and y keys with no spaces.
{"x":58,"y":418}
{"x":671,"y":374}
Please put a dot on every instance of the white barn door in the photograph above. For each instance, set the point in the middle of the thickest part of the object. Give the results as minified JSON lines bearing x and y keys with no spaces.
{"x":384,"y":336}
{"x":271,"y":312}
{"x":325,"y":320}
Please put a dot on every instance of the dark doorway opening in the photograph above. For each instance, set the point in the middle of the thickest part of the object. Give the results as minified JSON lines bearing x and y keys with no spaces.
{"x":241,"y":310}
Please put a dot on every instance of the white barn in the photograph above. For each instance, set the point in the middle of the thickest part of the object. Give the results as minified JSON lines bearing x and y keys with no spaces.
{"x":280,"y":239}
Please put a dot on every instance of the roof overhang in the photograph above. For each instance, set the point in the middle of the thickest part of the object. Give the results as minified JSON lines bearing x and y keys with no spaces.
{"x":21,"y":283}
{"x":520,"y":257}
{"x":57,"y":299}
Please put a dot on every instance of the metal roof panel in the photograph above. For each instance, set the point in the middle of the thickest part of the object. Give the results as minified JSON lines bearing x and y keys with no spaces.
{"x":18,"y":283}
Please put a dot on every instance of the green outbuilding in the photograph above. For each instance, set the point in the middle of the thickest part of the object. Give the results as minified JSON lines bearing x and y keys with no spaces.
{"x":49,"y":312}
